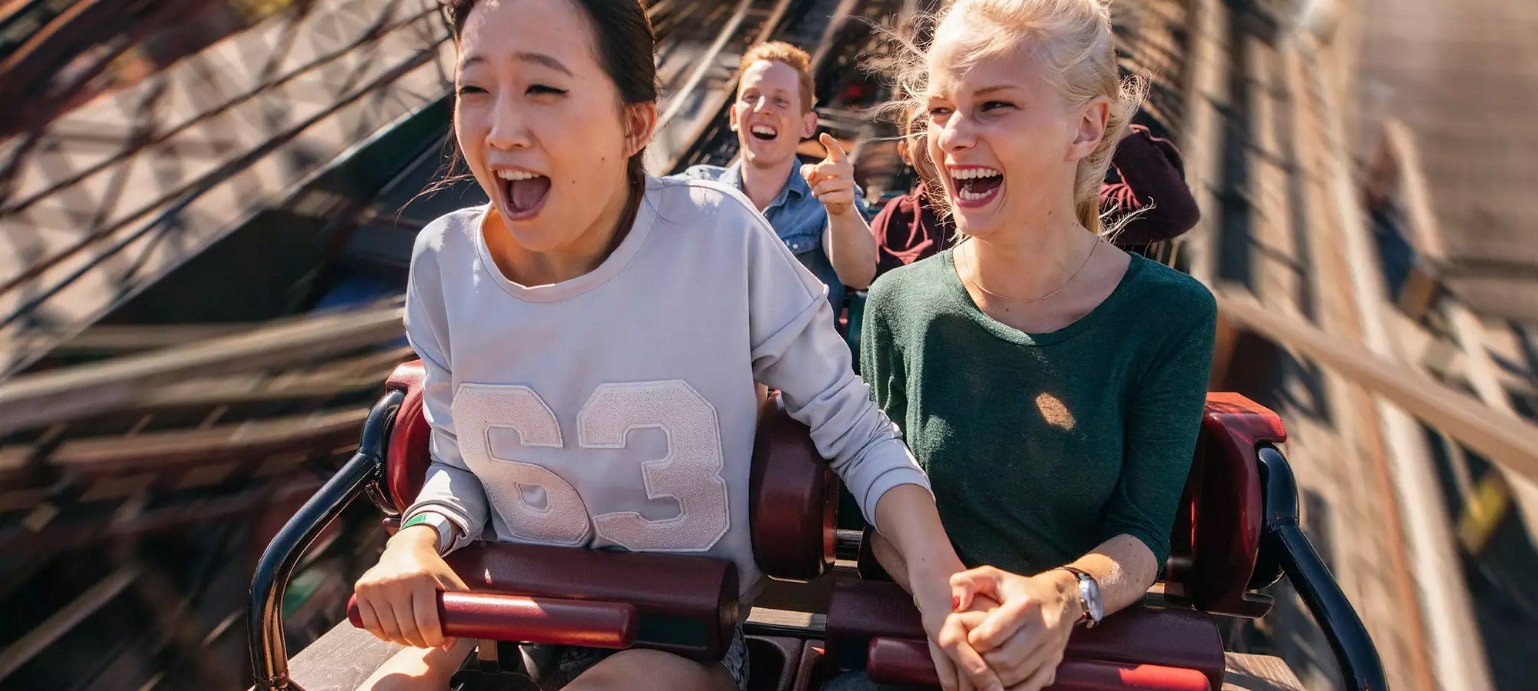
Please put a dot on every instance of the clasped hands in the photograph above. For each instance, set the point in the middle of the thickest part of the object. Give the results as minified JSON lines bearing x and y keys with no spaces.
{"x":1004,"y":631}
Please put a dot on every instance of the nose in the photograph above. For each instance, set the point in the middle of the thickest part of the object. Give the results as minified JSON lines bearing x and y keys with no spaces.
{"x":509,"y":129}
{"x":957,"y":134}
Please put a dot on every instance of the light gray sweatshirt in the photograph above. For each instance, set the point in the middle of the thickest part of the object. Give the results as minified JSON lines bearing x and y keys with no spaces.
{"x":617,"y":409}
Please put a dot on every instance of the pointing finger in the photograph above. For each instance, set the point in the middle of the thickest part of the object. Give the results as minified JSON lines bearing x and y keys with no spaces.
{"x":835,"y":152}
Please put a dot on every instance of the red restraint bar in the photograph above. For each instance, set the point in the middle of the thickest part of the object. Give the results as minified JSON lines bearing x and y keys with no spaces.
{"x":906,"y":662}
{"x":531,"y":619}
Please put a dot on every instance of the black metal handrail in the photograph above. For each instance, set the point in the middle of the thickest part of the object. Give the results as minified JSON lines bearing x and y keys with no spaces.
{"x":264,"y":614}
{"x":1284,"y":539}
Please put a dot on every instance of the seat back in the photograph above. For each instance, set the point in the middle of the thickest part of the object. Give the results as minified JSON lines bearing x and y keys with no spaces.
{"x":406,"y":456}
{"x":793,"y":498}
{"x":1216,"y":537}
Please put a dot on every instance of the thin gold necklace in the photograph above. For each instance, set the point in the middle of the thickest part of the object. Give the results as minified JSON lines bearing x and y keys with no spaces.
{"x":978,"y":284}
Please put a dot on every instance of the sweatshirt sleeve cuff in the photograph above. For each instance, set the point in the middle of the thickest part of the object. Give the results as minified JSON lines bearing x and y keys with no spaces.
{"x":885,"y":483}
{"x":460,"y":521}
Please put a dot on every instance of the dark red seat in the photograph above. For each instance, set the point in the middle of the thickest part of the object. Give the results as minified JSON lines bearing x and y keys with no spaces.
{"x":1211,"y":570}
{"x":686,"y":605}
{"x":406,"y":456}
{"x":1215,"y":543}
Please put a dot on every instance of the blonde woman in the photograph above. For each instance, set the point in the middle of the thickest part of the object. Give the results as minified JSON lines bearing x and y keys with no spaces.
{"x":1050,"y":383}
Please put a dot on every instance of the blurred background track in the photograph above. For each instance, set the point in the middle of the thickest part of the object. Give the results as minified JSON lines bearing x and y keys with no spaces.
{"x":208,"y":213}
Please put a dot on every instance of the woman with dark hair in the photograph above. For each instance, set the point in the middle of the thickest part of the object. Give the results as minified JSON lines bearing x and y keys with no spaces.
{"x":592,"y":339}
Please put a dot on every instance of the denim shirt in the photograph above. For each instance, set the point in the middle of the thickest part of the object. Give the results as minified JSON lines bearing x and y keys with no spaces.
{"x":797,"y":217}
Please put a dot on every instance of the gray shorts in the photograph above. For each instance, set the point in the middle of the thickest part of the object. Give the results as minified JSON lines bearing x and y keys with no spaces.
{"x":555,"y":666}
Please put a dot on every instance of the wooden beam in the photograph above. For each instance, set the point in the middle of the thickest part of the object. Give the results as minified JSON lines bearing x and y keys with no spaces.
{"x":116,"y":338}
{"x":64,"y":620}
{"x":56,"y":396}
{"x":1415,"y":198}
{"x":157,"y":450}
{"x":704,"y":65}
{"x":1503,"y":438}
{"x":1395,"y":175}
{"x":1202,"y":139}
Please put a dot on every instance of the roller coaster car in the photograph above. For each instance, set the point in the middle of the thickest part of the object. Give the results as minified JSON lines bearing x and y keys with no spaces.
{"x":1237,"y":533}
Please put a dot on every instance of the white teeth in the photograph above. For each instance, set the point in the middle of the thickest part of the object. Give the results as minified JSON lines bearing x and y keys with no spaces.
{"x":968,"y":196}
{"x":515,"y":175}
{"x":760,"y":129}
{"x":973,"y":173}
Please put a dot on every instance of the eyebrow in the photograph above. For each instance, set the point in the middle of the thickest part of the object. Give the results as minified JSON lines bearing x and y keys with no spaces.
{"x":536,"y":58}
{"x":994,"y":88}
{"x":773,"y":90}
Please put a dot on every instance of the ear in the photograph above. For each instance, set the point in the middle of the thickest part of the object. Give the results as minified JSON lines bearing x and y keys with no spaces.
{"x":640,"y":125}
{"x":1091,"y":124}
{"x":809,"y":124}
{"x":731,"y":115}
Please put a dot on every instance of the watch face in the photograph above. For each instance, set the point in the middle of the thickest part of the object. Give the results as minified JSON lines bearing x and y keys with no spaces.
{"x":1091,"y":592}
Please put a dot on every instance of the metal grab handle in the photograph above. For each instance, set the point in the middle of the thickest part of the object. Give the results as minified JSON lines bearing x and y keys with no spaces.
{"x":583,"y":623}
{"x":264,"y":612}
{"x":1359,"y":662}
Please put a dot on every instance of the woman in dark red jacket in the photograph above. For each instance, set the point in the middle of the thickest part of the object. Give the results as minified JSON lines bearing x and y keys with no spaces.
{"x":1145,"y":176}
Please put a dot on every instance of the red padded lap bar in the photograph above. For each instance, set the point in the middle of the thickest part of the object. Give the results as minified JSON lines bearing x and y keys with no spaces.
{"x":792,"y":498}
{"x":861,"y":611}
{"x":1217,"y":533}
{"x":687,"y":605}
{"x":530,"y":620}
{"x":906,"y":662}
{"x":406,"y":456}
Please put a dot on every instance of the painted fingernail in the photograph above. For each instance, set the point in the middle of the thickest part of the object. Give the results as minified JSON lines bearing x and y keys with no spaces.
{"x":955,"y":602}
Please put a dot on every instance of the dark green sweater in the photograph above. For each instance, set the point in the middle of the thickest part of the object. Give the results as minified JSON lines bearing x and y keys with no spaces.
{"x":1042,"y":446}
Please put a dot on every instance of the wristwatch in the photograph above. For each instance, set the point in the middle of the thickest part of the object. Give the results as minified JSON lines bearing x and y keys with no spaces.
{"x":439,"y":522}
{"x":1089,"y":597}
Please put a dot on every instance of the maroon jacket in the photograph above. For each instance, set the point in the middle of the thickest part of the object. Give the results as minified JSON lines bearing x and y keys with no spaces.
{"x":1145,"y":172}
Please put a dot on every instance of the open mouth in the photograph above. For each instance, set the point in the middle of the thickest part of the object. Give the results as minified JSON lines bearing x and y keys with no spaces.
{"x":975,"y":185}
{"x":764,"y":133}
{"x":523,"y":193}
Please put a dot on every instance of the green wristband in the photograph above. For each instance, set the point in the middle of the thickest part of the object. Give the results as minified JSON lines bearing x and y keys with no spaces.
{"x":440,"y":525}
{"x":418,"y":519}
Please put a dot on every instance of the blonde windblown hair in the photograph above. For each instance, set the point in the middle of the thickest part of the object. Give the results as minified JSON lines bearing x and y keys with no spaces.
{"x":1072,"y":42}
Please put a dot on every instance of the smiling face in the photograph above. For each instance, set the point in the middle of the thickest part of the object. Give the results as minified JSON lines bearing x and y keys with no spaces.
{"x":540,"y":123}
{"x":1004,"y":140}
{"x":769,"y":117}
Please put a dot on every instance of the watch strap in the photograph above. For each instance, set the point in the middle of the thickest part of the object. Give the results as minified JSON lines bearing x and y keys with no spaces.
{"x":1087,"y":616}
